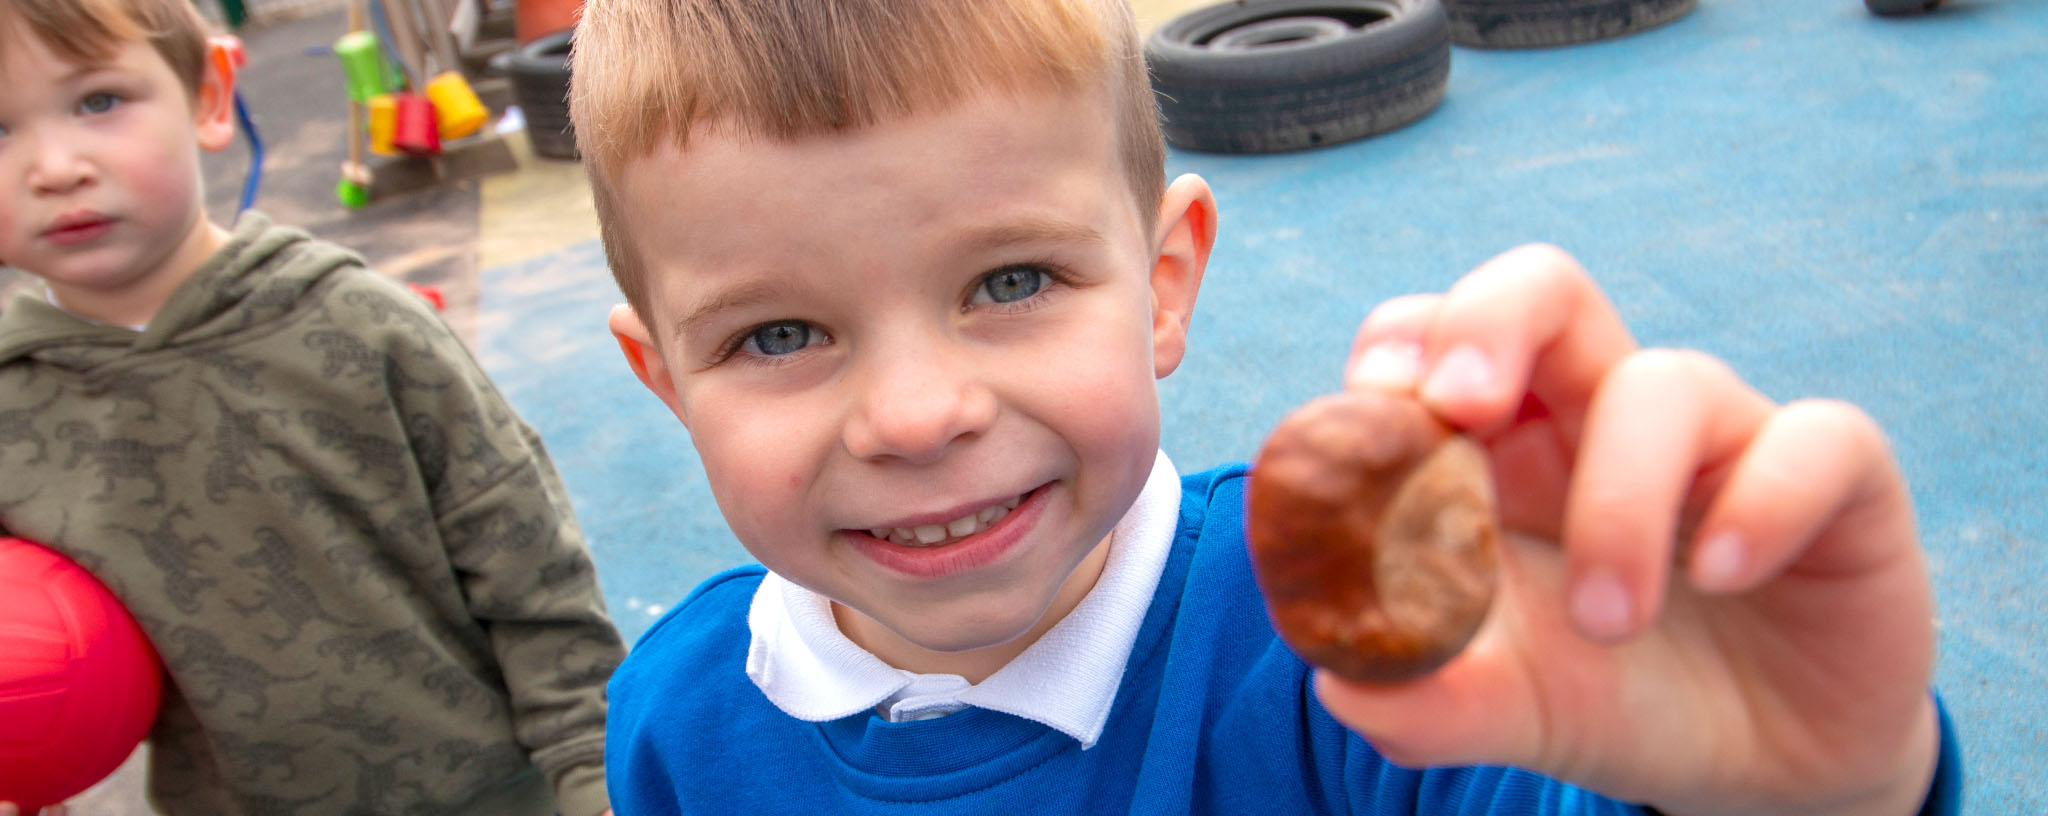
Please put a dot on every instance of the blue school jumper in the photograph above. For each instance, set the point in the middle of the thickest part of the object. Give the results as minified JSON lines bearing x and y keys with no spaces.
{"x":1214,"y":715}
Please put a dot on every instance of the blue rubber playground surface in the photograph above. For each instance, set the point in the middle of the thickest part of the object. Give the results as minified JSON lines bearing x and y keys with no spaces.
{"x":1838,"y":205}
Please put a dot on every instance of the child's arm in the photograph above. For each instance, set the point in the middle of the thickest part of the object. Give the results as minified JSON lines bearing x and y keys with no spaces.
{"x":529,"y":578}
{"x":1784,"y":668}
{"x":506,"y":522}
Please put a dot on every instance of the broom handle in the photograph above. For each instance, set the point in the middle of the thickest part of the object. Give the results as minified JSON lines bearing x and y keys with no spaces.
{"x":445,"y":50}
{"x":403,"y":29}
{"x":356,"y":133}
{"x":356,"y":130}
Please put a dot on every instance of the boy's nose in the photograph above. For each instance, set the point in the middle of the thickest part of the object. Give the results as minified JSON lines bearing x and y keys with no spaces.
{"x":57,"y":165}
{"x":913,"y":411}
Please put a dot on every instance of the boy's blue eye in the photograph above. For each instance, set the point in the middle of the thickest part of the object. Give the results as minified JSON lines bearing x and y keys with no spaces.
{"x":1012,"y":283}
{"x":98,"y":103}
{"x":777,"y":339}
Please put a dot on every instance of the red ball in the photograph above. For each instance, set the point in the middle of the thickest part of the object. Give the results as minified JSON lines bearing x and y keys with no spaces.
{"x":79,"y":683}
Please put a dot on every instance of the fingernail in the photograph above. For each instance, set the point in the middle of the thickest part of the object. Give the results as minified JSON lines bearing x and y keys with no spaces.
{"x":1717,"y":561}
{"x":1601,"y":606}
{"x":1393,"y":366}
{"x":1462,"y":374}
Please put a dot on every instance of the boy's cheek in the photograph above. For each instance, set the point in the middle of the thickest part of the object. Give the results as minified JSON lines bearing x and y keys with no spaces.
{"x":759,"y":503}
{"x":161,"y":177}
{"x":1122,"y":415}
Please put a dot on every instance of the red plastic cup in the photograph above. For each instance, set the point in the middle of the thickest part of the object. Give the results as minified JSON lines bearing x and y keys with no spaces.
{"x":417,"y":131}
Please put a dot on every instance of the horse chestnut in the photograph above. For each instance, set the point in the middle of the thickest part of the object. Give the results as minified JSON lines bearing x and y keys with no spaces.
{"x":1373,"y":536}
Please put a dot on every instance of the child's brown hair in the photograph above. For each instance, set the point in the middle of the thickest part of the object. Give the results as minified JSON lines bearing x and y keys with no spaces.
{"x":90,"y":31}
{"x":653,"y":70}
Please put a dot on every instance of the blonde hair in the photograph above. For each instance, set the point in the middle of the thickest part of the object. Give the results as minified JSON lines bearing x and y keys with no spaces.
{"x":91,"y":31}
{"x":645,"y":71}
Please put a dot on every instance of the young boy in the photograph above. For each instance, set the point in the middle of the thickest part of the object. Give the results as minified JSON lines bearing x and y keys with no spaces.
{"x":356,"y":562}
{"x":908,"y":271}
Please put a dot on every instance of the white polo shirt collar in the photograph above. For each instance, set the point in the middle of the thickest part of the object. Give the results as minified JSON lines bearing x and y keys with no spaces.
{"x":1067,"y":680}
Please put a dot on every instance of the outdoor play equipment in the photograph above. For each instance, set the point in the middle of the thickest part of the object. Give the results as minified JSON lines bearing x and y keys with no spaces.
{"x":79,"y":683}
{"x":368,"y":81}
{"x":389,"y":51}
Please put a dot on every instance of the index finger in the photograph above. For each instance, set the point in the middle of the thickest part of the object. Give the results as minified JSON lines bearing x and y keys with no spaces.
{"x":1529,"y":321}
{"x":1387,"y":352}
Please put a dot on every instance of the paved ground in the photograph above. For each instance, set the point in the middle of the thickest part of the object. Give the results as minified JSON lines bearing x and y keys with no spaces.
{"x":1838,"y":205}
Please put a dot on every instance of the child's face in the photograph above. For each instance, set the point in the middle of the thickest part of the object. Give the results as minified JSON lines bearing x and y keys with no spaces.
{"x":918,"y":360}
{"x":100,"y":166}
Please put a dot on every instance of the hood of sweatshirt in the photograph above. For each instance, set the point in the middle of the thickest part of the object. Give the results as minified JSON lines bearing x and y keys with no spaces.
{"x":257,"y":277}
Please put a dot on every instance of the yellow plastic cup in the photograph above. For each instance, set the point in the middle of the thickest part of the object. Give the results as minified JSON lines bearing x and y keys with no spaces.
{"x":383,"y":124}
{"x":459,"y":111}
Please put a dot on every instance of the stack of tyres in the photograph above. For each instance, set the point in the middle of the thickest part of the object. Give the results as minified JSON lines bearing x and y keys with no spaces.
{"x":540,"y":83}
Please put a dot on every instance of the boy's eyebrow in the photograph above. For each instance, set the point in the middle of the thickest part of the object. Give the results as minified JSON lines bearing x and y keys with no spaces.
{"x":1031,"y":229}
{"x":739,"y":295}
{"x":79,"y":71}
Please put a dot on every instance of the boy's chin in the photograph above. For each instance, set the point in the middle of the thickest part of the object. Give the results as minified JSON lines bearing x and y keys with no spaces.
{"x":973,"y":649}
{"x":963,"y":639}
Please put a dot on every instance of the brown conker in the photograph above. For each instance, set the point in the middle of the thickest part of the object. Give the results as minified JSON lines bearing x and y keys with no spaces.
{"x":1373,"y":535}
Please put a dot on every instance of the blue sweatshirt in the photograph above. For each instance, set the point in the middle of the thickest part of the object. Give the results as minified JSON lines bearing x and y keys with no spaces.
{"x":1215,"y":715}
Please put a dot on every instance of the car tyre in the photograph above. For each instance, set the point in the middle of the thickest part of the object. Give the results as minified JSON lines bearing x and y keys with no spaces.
{"x":1891,"y":8}
{"x":1277,"y":75}
{"x":1542,"y":23}
{"x":540,"y":83}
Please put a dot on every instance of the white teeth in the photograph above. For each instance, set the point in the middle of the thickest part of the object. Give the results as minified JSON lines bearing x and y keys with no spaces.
{"x":925,"y":535}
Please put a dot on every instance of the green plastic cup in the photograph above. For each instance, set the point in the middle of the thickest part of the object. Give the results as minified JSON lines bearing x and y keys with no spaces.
{"x":361,"y":64}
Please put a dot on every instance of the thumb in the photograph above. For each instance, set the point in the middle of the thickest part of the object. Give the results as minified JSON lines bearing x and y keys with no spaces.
{"x":1465,"y":713}
{"x":1487,"y":705}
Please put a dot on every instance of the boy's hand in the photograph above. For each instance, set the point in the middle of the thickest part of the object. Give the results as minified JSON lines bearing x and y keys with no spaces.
{"x":1784,"y":668}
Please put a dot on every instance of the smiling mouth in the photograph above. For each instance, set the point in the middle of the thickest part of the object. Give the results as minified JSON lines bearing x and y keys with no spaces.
{"x":939,"y":535}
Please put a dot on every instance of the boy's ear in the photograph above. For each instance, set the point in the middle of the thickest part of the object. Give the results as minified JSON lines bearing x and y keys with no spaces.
{"x":1186,"y":233}
{"x":214,"y":108}
{"x":645,"y":357}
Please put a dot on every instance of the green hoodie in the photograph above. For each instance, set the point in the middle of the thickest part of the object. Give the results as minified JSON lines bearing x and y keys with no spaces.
{"x":356,"y":561}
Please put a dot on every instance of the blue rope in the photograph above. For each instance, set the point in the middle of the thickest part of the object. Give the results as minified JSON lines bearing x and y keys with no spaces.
{"x":255,"y":179}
